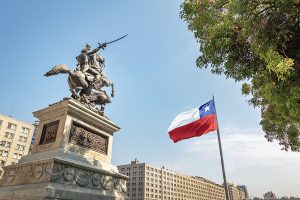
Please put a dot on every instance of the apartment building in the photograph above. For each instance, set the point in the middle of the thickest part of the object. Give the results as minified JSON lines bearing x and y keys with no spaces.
{"x":243,"y":192}
{"x":15,"y":139}
{"x":234,"y":192}
{"x":147,"y":182}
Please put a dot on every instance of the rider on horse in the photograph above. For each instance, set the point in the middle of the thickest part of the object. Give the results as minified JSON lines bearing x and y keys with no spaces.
{"x":87,"y":62}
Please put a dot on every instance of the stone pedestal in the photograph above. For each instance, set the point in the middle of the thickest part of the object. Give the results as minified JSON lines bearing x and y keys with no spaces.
{"x":71,"y":158}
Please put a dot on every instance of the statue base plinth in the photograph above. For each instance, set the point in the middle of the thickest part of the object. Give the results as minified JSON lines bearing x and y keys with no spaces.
{"x":71,"y":158}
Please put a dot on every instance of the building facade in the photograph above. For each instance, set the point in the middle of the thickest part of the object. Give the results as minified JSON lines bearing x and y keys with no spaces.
{"x":270,"y":195}
{"x":15,"y":139}
{"x":243,"y":192}
{"x":147,"y":182}
{"x":35,"y":131}
{"x":234,"y":192}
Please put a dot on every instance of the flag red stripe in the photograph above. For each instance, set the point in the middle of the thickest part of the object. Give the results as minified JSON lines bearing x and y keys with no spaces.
{"x":194,"y":129}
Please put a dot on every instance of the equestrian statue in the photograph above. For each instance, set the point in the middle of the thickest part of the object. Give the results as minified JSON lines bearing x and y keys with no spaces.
{"x":86,"y":82}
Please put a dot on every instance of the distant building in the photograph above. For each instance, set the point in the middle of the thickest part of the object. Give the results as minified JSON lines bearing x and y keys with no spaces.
{"x":35,"y":131}
{"x":15,"y":139}
{"x":147,"y":182}
{"x":289,"y":198}
{"x":234,"y":192}
{"x":270,"y":195}
{"x":243,"y":192}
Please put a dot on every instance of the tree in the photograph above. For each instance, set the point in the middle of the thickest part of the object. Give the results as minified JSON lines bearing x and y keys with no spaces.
{"x":257,"y":42}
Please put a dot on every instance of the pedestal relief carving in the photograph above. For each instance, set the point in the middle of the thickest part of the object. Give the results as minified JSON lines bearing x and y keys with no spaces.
{"x":107,"y":182}
{"x":57,"y":172}
{"x":24,"y":174}
{"x":96,"y":179}
{"x":84,"y":137}
{"x":37,"y":171}
{"x":120,"y":184}
{"x":62,"y":173}
{"x":49,"y":132}
{"x":82,"y":178}
{"x":69,"y":174}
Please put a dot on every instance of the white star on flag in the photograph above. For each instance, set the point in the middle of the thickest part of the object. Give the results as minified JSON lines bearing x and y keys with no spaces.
{"x":206,"y":108}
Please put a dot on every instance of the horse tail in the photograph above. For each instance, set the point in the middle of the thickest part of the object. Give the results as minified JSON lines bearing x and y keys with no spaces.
{"x":58,"y":69}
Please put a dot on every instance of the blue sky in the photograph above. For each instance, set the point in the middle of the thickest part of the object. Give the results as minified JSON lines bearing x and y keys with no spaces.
{"x":155,"y":78}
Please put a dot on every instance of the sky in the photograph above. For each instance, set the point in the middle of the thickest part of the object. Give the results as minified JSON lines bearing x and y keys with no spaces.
{"x":155,"y":79}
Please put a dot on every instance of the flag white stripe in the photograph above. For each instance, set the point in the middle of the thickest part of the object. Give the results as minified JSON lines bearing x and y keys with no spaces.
{"x":185,"y":118}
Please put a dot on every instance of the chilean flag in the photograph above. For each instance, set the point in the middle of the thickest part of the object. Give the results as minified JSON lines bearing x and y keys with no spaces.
{"x":193,"y":123}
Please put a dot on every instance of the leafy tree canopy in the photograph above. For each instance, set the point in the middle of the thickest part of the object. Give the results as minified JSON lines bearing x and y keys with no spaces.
{"x":257,"y":42}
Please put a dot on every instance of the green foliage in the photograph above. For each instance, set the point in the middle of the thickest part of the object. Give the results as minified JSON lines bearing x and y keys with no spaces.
{"x":258,"y":42}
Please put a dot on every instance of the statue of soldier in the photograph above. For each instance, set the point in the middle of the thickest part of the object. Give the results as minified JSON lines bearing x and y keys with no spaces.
{"x":87,"y":81}
{"x":86,"y":63}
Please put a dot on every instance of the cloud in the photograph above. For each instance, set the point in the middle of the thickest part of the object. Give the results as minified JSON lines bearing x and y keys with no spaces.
{"x":249,"y":159}
{"x":245,"y":148}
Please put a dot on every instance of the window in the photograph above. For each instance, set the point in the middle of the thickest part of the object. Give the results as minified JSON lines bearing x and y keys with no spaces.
{"x":2,"y":163}
{"x":3,"y":153}
{"x":22,"y":139}
{"x":17,"y":156}
{"x":25,"y":130}
{"x":12,"y":126}
{"x":9,"y":135}
{"x":6,"y":144}
{"x":20,"y":147}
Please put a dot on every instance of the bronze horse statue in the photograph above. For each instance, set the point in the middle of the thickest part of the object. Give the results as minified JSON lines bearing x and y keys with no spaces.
{"x":85,"y":87}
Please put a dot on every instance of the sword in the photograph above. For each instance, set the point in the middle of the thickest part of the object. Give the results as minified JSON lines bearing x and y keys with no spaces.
{"x":106,"y":43}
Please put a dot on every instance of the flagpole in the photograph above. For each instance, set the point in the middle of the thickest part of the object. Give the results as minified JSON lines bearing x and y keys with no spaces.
{"x":221,"y":154}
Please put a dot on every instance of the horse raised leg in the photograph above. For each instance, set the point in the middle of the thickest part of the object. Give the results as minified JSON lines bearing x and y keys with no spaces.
{"x":112,"y":90}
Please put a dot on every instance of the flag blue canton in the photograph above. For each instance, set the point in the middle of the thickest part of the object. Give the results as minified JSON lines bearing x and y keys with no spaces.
{"x":207,"y":109}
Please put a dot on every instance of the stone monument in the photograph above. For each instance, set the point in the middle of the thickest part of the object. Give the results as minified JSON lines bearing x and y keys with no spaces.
{"x":71,"y":157}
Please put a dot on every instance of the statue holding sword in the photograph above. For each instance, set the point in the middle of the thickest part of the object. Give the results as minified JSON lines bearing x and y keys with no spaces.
{"x":86,"y":82}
